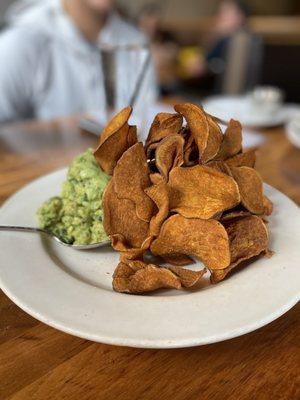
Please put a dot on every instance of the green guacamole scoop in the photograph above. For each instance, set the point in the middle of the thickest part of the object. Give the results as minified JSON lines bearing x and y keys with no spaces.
{"x":76,"y":216}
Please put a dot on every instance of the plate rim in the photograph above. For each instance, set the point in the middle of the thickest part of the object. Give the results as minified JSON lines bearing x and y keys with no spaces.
{"x":153,"y":344}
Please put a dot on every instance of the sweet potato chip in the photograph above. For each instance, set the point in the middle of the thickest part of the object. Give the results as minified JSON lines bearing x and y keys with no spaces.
{"x":201,"y":192}
{"x":214,"y":141}
{"x":120,"y":244}
{"x":115,"y":139}
{"x":137,"y":277}
{"x":152,"y":278}
{"x":250,"y":187}
{"x":220,"y":166}
{"x":185,"y":132}
{"x":269,"y":253}
{"x":190,"y":149}
{"x":232,"y":141}
{"x":156,"y":178}
{"x":188,"y":278}
{"x":131,"y":177}
{"x":121,"y":278}
{"x":131,"y":136}
{"x":246,"y":159}
{"x":115,"y":124}
{"x":197,"y":123}
{"x":205,"y":239}
{"x":159,"y":195}
{"x":150,"y":151}
{"x":191,"y":153}
{"x":248,"y":238}
{"x":164,"y":124}
{"x":234,"y":214}
{"x":268,"y":206}
{"x":122,"y":275}
{"x":120,"y":218}
{"x":178,"y":259}
{"x":169,"y":154}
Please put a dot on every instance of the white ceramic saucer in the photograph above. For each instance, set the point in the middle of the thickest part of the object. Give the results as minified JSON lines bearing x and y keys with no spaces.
{"x":239,"y":108}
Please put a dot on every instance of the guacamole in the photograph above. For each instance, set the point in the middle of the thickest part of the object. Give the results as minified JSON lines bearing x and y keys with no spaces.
{"x":76,"y":216}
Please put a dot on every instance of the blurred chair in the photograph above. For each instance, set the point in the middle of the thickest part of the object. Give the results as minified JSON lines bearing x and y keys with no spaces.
{"x":243,"y":63}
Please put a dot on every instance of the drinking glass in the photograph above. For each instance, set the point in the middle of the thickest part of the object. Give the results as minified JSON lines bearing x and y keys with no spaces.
{"x":125,"y":77}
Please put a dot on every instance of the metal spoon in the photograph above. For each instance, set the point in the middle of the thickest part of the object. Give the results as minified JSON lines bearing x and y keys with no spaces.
{"x":56,"y":238}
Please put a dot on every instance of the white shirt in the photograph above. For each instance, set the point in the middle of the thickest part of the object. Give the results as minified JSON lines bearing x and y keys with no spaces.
{"x":49,"y":70}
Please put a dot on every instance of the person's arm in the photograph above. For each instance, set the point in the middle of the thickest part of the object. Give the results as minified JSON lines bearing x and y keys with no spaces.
{"x":17,"y":65}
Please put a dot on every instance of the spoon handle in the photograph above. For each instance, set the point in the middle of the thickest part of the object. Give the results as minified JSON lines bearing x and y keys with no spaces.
{"x":56,"y":238}
{"x":21,"y":228}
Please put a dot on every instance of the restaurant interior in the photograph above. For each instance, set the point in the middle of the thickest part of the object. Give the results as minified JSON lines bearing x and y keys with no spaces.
{"x":236,"y":59}
{"x":66,"y":68}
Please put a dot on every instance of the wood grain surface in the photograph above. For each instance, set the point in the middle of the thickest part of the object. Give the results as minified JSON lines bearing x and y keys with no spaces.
{"x":39,"y":362}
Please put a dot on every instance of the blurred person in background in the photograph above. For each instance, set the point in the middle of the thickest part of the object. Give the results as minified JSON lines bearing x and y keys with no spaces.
{"x":234,"y":53}
{"x":230,"y":60}
{"x":231,"y":17}
{"x":163,"y":45}
{"x":50,"y":60}
{"x":196,"y":62}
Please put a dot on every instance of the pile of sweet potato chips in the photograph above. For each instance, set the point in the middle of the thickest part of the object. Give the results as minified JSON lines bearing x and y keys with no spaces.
{"x":189,"y":193}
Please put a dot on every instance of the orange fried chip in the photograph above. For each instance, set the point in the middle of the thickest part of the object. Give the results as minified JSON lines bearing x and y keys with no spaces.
{"x":189,"y":279}
{"x":214,"y":141}
{"x":201,"y":192}
{"x":178,"y":259}
{"x":248,"y":237}
{"x":190,"y":149}
{"x":115,"y":139}
{"x":185,"y":132}
{"x":268,"y":206}
{"x":169,"y":154}
{"x":150,"y":150}
{"x":131,"y":136}
{"x":220,"y":166}
{"x":131,"y":177}
{"x":234,"y":214}
{"x":190,"y":152}
{"x":115,"y":124}
{"x":232,"y":141}
{"x":205,"y":239}
{"x":250,"y":187}
{"x":120,"y":244}
{"x":120,"y":218}
{"x":159,"y":195}
{"x":122,"y":275}
{"x":137,"y":277}
{"x":152,"y":278}
{"x":164,"y":124}
{"x":197,"y":123}
{"x":246,"y":159}
{"x":156,"y":178}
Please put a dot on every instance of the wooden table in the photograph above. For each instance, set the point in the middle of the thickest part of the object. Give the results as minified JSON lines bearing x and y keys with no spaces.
{"x":39,"y":362}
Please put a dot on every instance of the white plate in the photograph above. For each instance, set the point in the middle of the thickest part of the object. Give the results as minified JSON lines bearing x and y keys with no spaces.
{"x":239,"y":107}
{"x":71,"y":290}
